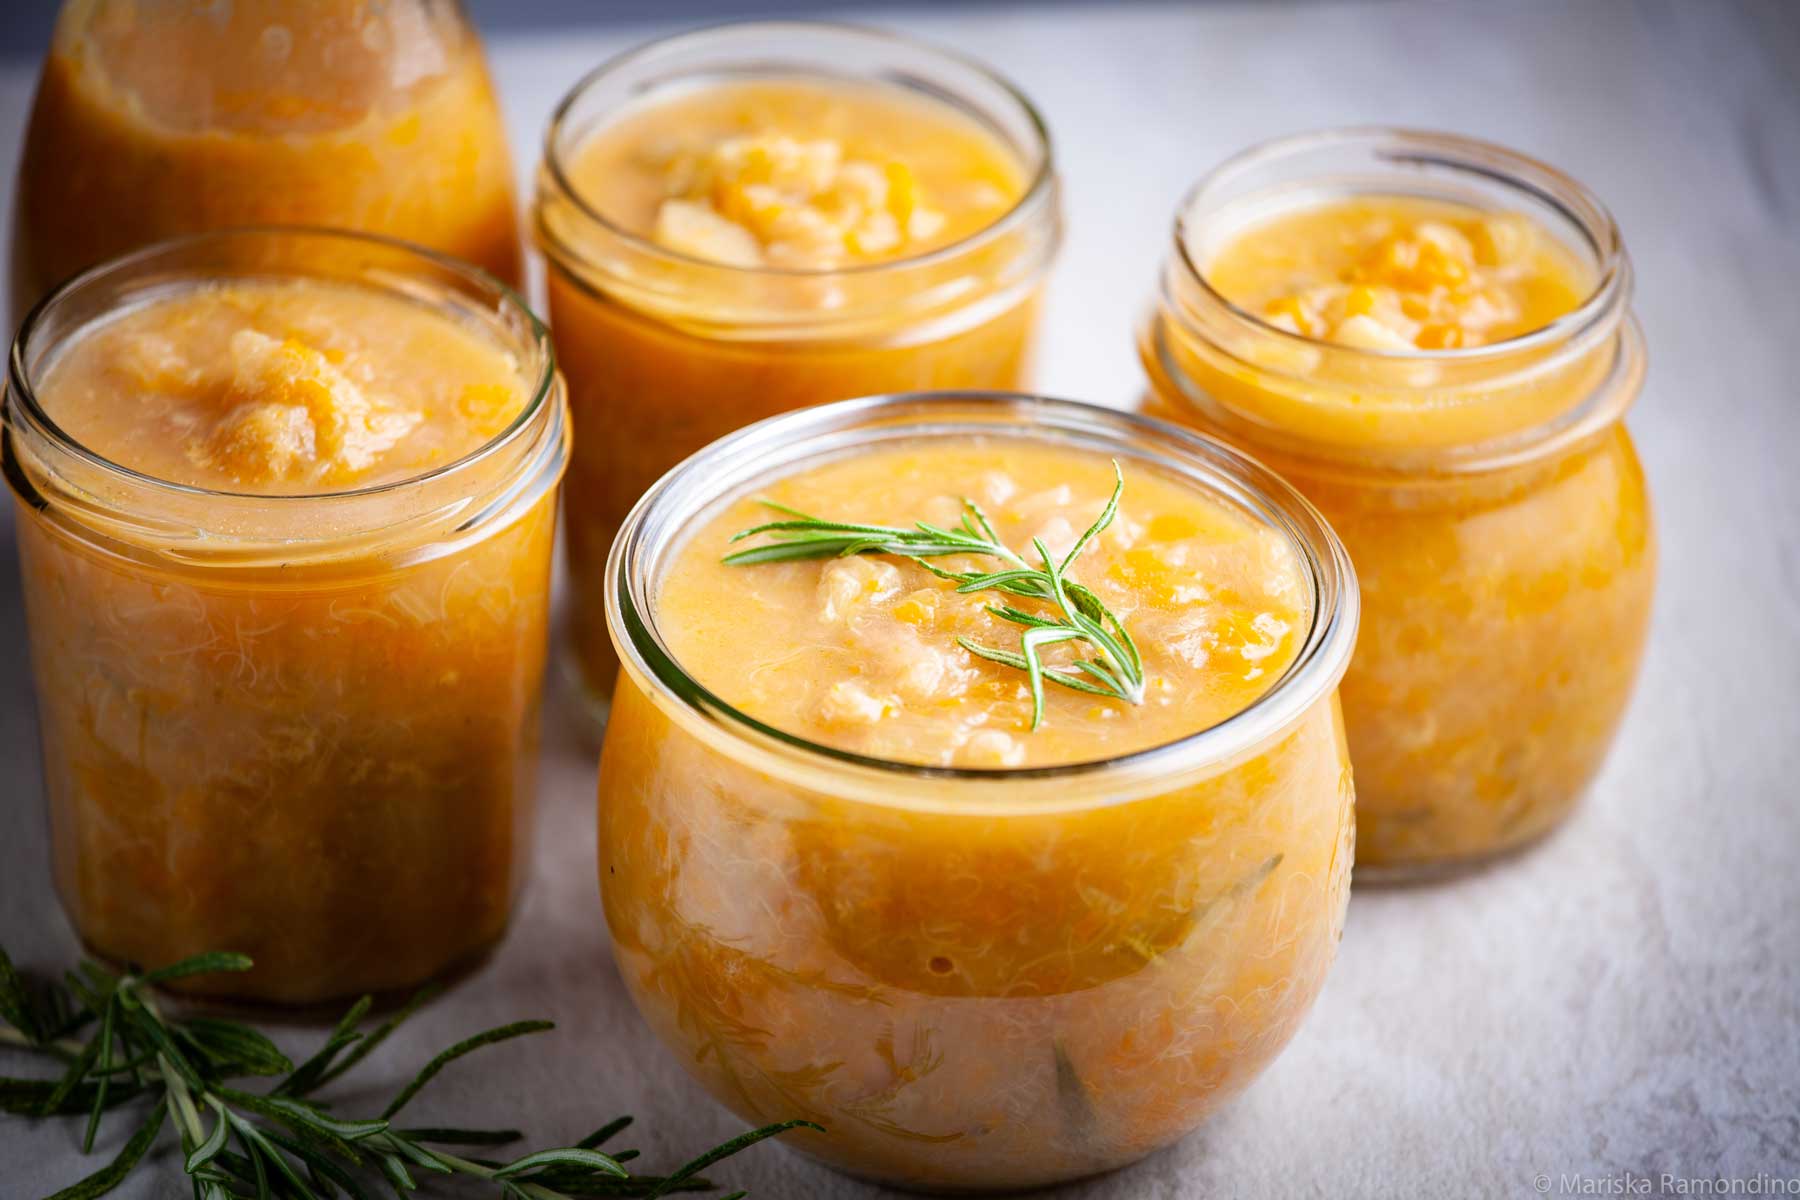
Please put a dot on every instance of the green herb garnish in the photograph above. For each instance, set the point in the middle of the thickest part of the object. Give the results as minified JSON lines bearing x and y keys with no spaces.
{"x":1076,"y":614}
{"x":118,"y":1049}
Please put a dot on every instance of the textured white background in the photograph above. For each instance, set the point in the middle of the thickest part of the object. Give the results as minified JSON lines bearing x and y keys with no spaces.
{"x":1624,"y":999}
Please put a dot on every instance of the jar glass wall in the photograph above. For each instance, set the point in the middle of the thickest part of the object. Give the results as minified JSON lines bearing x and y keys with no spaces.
{"x":1489,"y":496}
{"x":299,"y":726}
{"x":973,"y":978}
{"x":666,"y":351}
{"x":181,"y":116}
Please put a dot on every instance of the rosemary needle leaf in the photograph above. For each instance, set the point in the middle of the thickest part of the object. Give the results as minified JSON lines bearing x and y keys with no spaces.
{"x":28,"y":1097}
{"x":398,"y":1178}
{"x":234,"y":1048}
{"x":104,"y":1069}
{"x":259,"y":1173}
{"x":589,"y":1160}
{"x":112,"y":1174}
{"x":91,"y":1000}
{"x":1099,"y":672}
{"x":367,"y":1045}
{"x":71,"y":1078}
{"x":261,"y":1150}
{"x":605,"y":1133}
{"x":308,"y":1074}
{"x":725,"y":1150}
{"x":326,"y":1174}
{"x":999,"y":579}
{"x":209,"y":1149}
{"x":421,"y":1157}
{"x":304,"y":1118}
{"x":200,"y":964}
{"x":312,"y":1118}
{"x":1107,"y":514}
{"x":1007,"y":658}
{"x":468,"y":1045}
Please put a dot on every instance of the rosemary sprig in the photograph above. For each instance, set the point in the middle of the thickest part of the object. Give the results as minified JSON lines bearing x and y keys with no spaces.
{"x":1075,"y":614}
{"x":118,"y":1048}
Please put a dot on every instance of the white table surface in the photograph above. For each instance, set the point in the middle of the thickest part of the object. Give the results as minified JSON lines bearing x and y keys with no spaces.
{"x":1620,"y":1003}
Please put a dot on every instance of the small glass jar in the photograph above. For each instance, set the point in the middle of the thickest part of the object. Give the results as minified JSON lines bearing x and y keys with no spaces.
{"x":974,"y":979}
{"x":1490,"y":497}
{"x":302,"y":727}
{"x":665,"y":353}
{"x":181,"y":116}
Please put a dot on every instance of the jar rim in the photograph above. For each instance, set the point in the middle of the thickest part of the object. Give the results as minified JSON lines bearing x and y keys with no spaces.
{"x":21,"y":390}
{"x":736,"y":462}
{"x":1423,"y":148}
{"x":1034,"y":195}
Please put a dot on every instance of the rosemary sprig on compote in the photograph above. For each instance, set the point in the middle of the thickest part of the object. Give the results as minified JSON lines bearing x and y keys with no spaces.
{"x":118,"y":1048}
{"x":1074,"y":612}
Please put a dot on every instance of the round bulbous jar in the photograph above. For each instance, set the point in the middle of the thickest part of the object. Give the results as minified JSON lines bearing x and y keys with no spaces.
{"x":289,"y":715}
{"x":975,"y":977}
{"x":763,"y":216}
{"x":155,"y":118}
{"x":1480,"y":474}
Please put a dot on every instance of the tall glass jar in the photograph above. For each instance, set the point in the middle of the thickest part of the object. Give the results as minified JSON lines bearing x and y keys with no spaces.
{"x":161,"y":117}
{"x":974,"y":979}
{"x":302,"y":727}
{"x":1489,"y":496}
{"x":665,"y":352}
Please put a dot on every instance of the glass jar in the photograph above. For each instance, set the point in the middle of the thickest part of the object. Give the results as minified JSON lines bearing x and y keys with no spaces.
{"x":972,"y":978}
{"x":303,"y":727}
{"x":161,"y":117}
{"x":1490,"y":496}
{"x":665,"y":352}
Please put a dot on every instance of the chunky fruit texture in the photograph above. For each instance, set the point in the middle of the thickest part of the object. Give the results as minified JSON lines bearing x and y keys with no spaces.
{"x":283,"y":387}
{"x":1398,"y":275}
{"x":1503,"y":623}
{"x":331,"y":774}
{"x":970,"y":1000}
{"x":776,"y":199}
{"x":798,"y":175}
{"x":863,"y":654}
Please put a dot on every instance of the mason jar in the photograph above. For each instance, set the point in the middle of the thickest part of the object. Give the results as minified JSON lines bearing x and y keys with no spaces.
{"x":975,"y":978}
{"x":668,"y":349}
{"x":1489,"y":495}
{"x":302,"y":726}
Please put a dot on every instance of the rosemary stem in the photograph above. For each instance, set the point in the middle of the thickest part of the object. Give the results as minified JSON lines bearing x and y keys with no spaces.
{"x":186,"y":1114}
{"x":281,"y":1134}
{"x":536,"y":1191}
{"x":1132,"y":684}
{"x":67,"y":1049}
